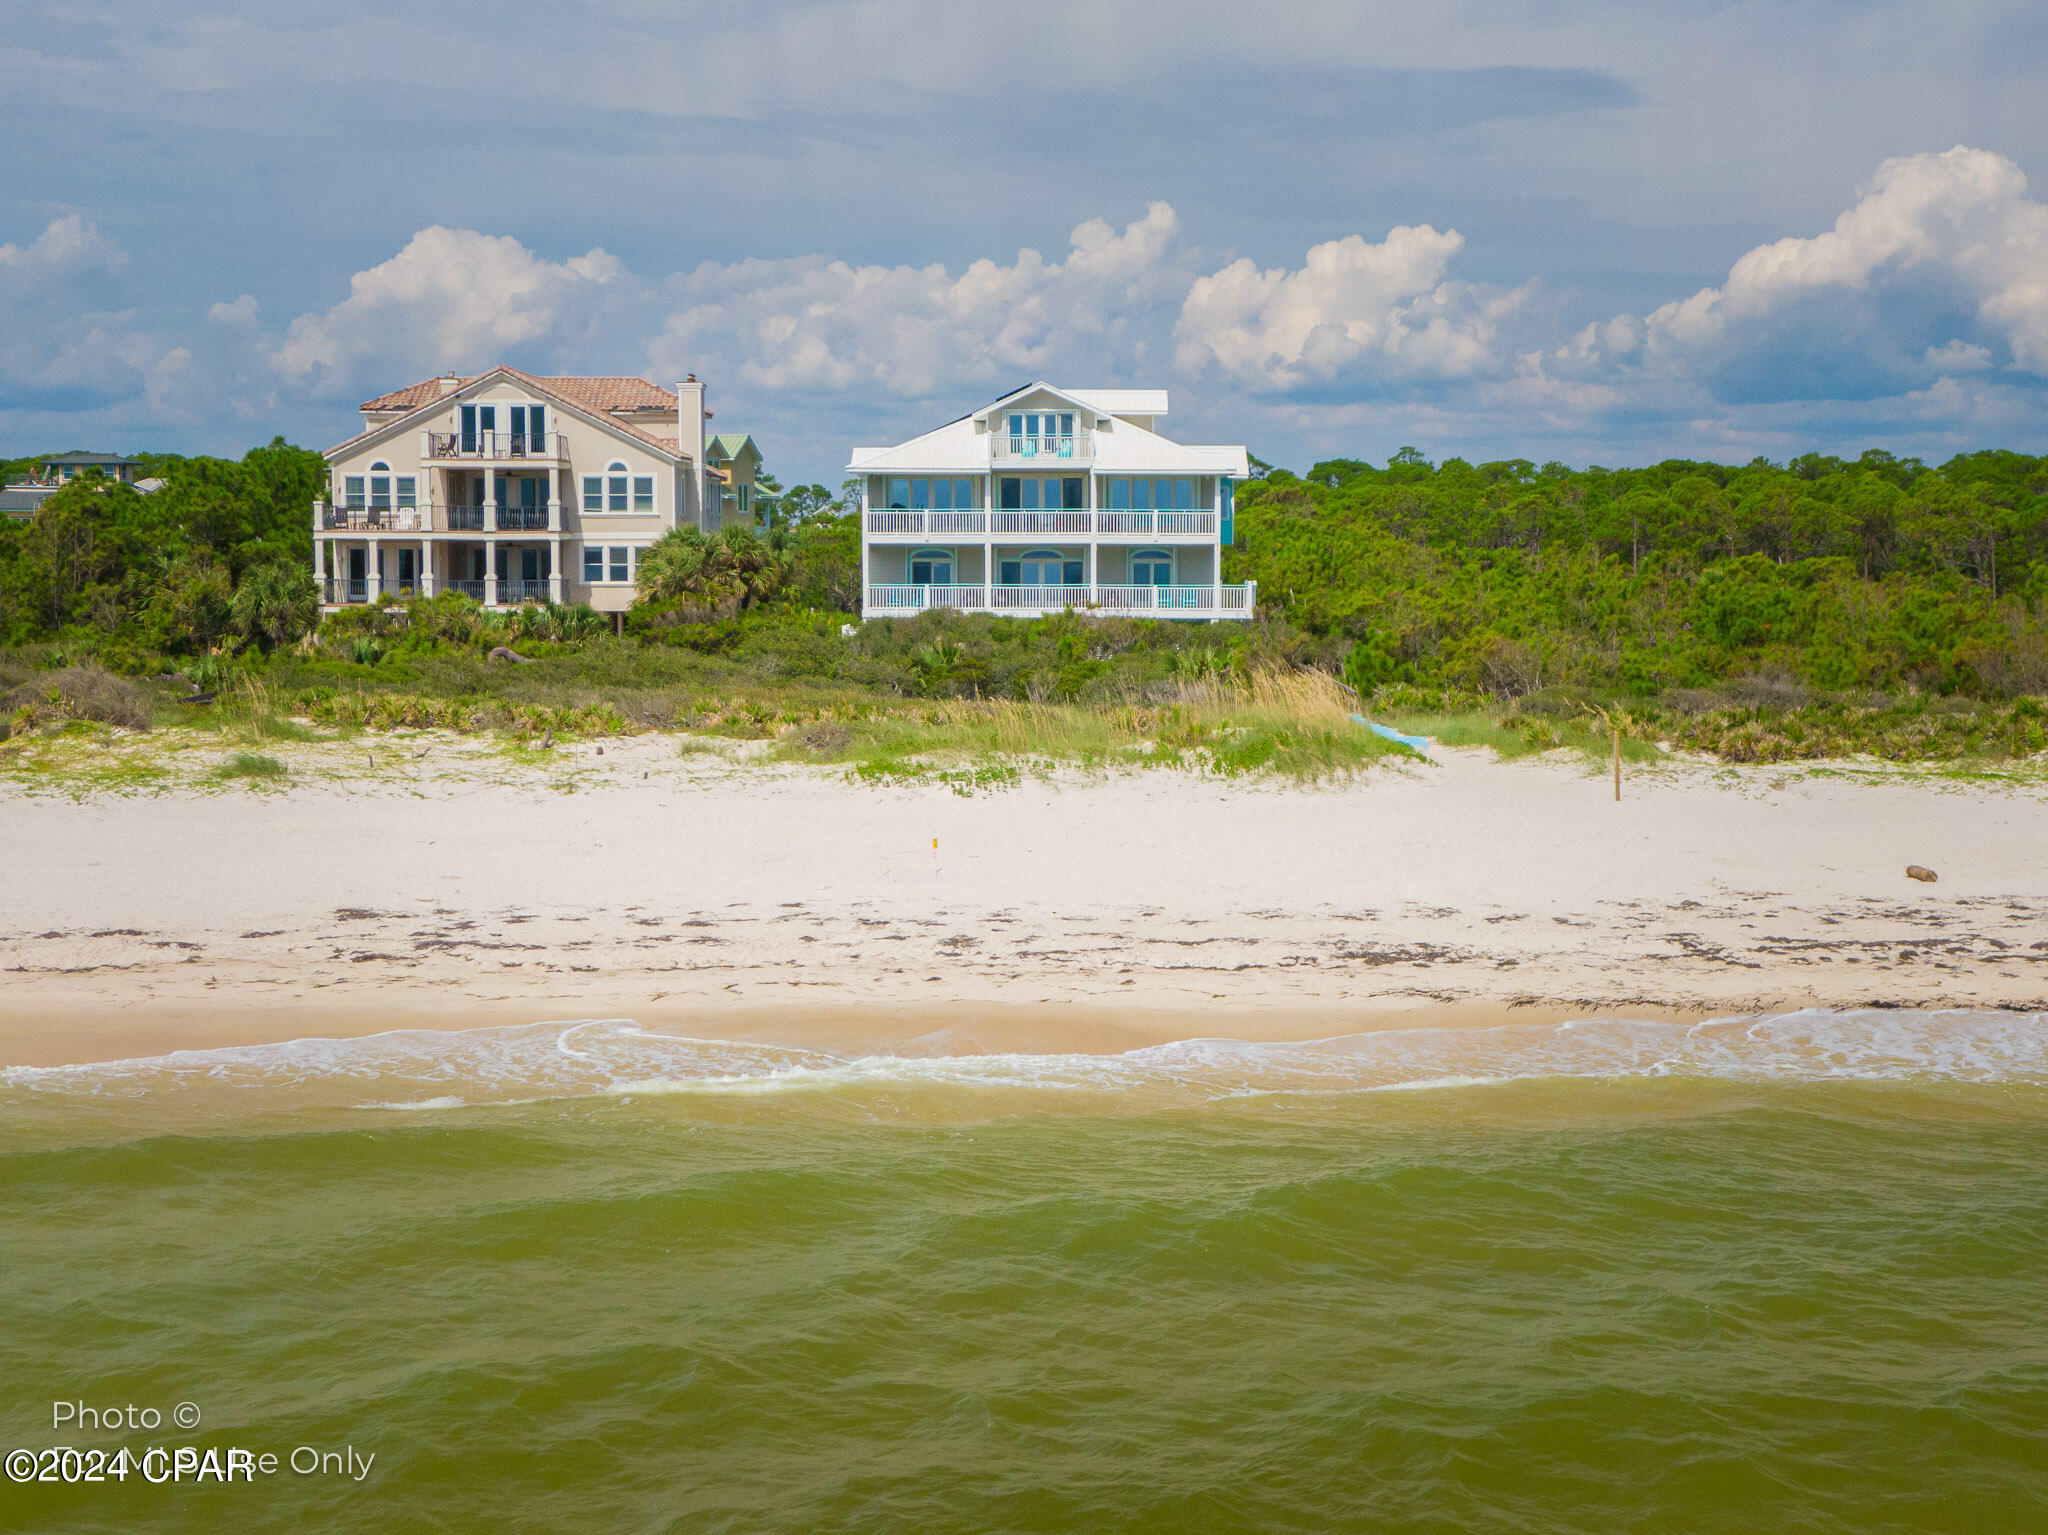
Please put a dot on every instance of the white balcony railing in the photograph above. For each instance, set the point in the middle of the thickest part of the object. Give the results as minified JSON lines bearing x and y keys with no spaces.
{"x":1071,"y":446}
{"x":916,"y":522}
{"x":896,"y":598}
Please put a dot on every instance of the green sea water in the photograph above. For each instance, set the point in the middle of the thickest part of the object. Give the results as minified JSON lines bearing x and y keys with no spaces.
{"x":1769,"y":1275}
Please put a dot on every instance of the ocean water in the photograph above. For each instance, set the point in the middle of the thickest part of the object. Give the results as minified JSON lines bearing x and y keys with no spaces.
{"x":1756,"y":1275}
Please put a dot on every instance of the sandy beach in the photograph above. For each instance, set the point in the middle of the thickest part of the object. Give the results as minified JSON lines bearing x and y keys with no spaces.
{"x":741,"y":901}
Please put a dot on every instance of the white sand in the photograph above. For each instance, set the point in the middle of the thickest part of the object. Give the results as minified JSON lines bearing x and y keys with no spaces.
{"x":796,"y":904}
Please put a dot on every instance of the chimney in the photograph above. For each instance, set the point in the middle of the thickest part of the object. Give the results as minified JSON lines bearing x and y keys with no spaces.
{"x":690,"y":443}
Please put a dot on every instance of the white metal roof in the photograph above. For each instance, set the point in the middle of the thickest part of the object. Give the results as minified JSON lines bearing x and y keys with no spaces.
{"x":960,"y":447}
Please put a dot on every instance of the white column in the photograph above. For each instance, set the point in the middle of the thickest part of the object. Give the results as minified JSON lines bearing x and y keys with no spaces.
{"x":490,"y":575}
{"x":554,"y":502}
{"x":372,"y":571}
{"x":864,"y":562}
{"x":554,"y":560}
{"x":490,"y":500}
{"x":1091,"y":570}
{"x":426,"y":568}
{"x":320,"y":563}
{"x":988,"y":551}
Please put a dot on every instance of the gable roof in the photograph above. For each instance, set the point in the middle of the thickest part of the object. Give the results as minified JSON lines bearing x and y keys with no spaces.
{"x":600,"y":398}
{"x":959,"y":448}
{"x":729,"y":445}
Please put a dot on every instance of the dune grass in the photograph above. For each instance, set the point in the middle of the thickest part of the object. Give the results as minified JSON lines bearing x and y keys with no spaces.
{"x":253,"y":767}
{"x":1296,"y":725}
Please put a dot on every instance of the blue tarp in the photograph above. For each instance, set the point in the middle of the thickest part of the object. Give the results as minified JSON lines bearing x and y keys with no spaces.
{"x":1419,"y":743}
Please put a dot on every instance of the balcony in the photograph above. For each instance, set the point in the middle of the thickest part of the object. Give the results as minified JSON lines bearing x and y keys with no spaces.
{"x":470,"y":589}
{"x":522,"y":591}
{"x":1071,"y":447}
{"x":491,"y":447}
{"x":372,"y":519}
{"x":900,"y":600}
{"x":918,"y":525}
{"x":434,"y":518}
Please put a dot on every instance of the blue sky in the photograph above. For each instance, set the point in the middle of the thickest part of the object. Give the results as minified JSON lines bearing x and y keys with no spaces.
{"x":1599,"y":233}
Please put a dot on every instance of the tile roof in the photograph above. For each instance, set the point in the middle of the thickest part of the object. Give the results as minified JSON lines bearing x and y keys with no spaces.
{"x":602,"y":395}
{"x":78,"y":456}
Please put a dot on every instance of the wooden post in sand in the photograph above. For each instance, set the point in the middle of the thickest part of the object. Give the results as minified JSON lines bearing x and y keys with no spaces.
{"x":1615,"y":730}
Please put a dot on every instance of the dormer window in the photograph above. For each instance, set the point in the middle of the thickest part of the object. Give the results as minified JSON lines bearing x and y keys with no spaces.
{"x":1042,"y":434}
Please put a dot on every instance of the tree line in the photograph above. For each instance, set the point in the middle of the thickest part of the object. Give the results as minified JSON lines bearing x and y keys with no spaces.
{"x":1876,"y":572}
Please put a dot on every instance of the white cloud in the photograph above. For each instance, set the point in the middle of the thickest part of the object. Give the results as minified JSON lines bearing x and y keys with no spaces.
{"x":1353,"y":313}
{"x":452,"y":298}
{"x":813,"y":324}
{"x":69,"y":244}
{"x":1940,"y":267}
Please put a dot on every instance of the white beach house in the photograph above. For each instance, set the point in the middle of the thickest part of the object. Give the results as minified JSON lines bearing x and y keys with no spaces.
{"x":513,"y":488}
{"x":1048,"y":499}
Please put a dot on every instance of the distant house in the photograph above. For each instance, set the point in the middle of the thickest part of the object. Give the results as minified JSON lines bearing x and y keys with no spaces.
{"x":20,"y":501}
{"x":733,"y":456}
{"x":60,"y":467}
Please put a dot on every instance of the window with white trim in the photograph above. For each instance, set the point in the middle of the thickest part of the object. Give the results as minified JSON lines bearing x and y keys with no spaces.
{"x":615,"y":487}
{"x":593,"y":495}
{"x":643,"y":492}
{"x":1152,"y":567}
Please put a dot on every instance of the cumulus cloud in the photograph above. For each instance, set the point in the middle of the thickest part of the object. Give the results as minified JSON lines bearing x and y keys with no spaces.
{"x":817,"y":325}
{"x":452,"y":298}
{"x":1354,"y":313}
{"x":1940,"y":268}
{"x":69,"y":244}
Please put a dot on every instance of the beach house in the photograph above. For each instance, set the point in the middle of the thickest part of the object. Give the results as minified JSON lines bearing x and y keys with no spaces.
{"x":512,"y":487}
{"x":1051,"y":498}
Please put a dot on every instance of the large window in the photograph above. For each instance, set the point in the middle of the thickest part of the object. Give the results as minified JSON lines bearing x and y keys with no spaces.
{"x":942,"y":495}
{"x":1041,"y":567}
{"x":1152,"y":494}
{"x":615,"y":487}
{"x":1030,"y":493}
{"x":476,"y":420}
{"x":1152,"y":567}
{"x":619,"y":572}
{"x":931,"y":567}
{"x":643,"y":492}
{"x":1048,"y":434}
{"x":408,"y":495}
{"x":380,"y":487}
{"x":352,"y":491}
{"x":613,"y":564}
{"x":529,"y":428}
{"x":593,"y":495}
{"x":593,"y":564}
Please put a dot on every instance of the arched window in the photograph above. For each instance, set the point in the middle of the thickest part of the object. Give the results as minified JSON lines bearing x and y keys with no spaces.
{"x":615,"y":487}
{"x":380,"y":486}
{"x":1152,"y":567}
{"x":931,"y":567}
{"x":1041,"y":567}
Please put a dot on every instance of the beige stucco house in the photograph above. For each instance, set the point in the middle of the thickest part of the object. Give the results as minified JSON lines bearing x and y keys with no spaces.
{"x":513,"y":488}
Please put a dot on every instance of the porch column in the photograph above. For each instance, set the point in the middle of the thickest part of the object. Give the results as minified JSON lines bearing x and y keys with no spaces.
{"x":490,"y":576}
{"x":1091,"y":570}
{"x":555,"y":506}
{"x":372,"y":569}
{"x":320,"y":567}
{"x":864,"y":559}
{"x":490,"y":501}
{"x":426,"y":568}
{"x":554,"y":554}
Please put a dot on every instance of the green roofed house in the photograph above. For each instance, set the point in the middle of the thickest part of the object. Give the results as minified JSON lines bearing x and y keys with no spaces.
{"x":59,"y":467}
{"x":733,"y":457}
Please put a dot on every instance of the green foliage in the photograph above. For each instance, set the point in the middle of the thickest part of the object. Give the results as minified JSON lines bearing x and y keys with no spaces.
{"x":1505,"y":578}
{"x":695,"y":577}
{"x":144,"y":570}
{"x":253,"y":766}
{"x":276,"y":603}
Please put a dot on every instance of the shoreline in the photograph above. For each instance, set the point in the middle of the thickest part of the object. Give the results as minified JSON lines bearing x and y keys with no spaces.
{"x":1071,"y":916}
